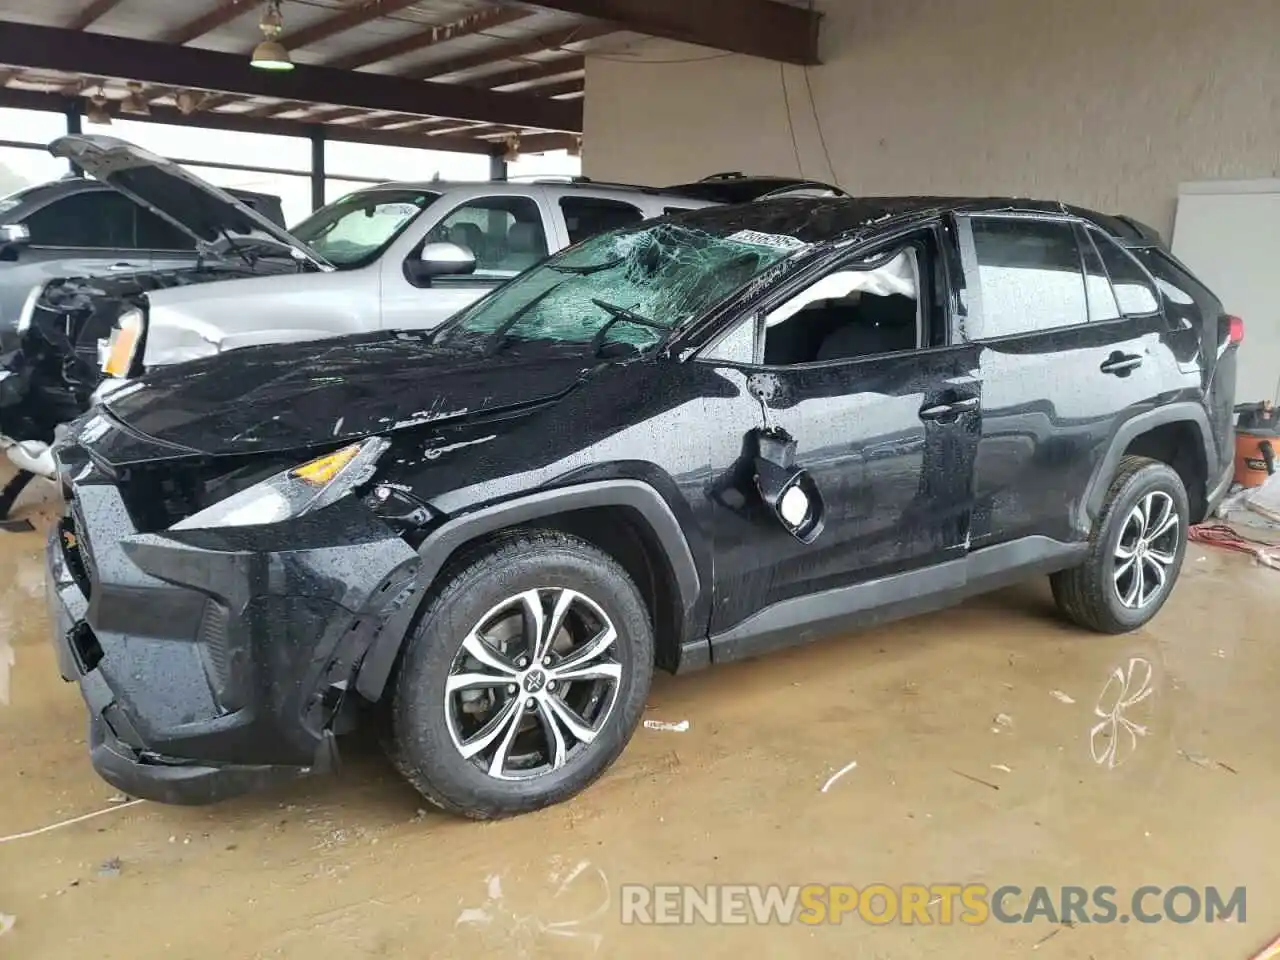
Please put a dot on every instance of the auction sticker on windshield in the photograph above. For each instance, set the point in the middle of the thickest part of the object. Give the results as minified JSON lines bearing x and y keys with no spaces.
{"x":775,"y":241}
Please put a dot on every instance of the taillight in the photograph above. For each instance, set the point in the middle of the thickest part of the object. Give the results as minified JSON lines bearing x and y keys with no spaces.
{"x":1235,"y":330}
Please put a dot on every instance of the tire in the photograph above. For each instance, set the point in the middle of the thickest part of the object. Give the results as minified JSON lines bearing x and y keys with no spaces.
{"x":1094,"y":594}
{"x":492,"y":589}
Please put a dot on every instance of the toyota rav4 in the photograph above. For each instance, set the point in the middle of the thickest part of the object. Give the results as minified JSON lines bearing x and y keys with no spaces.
{"x":676,"y":444}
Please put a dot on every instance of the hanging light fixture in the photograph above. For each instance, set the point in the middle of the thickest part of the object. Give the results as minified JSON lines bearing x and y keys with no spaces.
{"x":575,"y":147}
{"x":512,"y":152}
{"x":271,"y":54}
{"x":188,"y":101}
{"x":135,"y":103}
{"x":98,"y":110}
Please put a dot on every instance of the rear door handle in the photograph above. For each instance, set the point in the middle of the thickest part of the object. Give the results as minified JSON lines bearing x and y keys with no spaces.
{"x":943,"y":411}
{"x":1121,"y":363}
{"x":123,"y":266}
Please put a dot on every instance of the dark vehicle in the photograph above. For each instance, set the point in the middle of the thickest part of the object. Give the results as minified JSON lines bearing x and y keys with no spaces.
{"x":680,"y":443}
{"x":82,"y":227}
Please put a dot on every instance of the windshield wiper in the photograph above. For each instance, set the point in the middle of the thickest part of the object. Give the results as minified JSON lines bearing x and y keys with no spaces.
{"x":499,"y":336}
{"x":585,"y":270}
{"x":619,"y":314}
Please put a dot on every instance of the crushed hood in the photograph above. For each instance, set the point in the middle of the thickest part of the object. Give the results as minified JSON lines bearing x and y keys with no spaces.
{"x":194,"y":206}
{"x":294,"y":396}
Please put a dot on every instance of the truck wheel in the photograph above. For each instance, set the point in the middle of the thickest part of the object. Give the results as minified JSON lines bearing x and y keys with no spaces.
{"x":524,"y":679}
{"x":1135,"y":553}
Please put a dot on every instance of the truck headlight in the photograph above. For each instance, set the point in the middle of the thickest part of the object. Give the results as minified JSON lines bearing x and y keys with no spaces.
{"x":292,"y":493}
{"x":117,"y":354}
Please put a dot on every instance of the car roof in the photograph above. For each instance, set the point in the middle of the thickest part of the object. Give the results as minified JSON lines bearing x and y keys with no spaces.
{"x":522,"y":187}
{"x":818,"y":220}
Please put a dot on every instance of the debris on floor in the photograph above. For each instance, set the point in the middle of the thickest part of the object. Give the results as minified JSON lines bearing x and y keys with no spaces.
{"x":663,"y":725}
{"x":978,"y":780}
{"x":837,"y":775}
{"x":1200,"y":760}
{"x":6,"y":923}
{"x":1063,"y":697}
{"x":1001,"y":720}
{"x":1003,"y":768}
{"x":110,"y":868}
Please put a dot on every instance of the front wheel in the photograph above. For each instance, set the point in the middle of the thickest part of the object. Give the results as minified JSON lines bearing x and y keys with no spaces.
{"x":1135,"y":554}
{"x":525,"y":678}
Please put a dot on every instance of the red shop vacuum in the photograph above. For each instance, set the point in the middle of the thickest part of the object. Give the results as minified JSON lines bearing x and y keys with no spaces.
{"x":1257,"y":437}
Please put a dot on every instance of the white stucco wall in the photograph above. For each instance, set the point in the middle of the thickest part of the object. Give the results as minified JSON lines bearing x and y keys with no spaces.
{"x":1107,"y":103}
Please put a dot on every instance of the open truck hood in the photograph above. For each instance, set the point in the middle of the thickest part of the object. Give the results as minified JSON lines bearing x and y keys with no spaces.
{"x":194,"y":206}
{"x":299,"y":395}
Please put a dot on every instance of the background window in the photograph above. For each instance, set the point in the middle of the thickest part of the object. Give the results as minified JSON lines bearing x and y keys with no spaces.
{"x":1132,"y":285}
{"x":155,"y":233}
{"x":504,"y":233}
{"x":102,"y":219}
{"x":587,"y":216}
{"x":1029,"y":277}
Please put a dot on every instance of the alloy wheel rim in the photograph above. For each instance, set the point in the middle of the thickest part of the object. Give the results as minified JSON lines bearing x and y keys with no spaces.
{"x":533,"y":684}
{"x":1147,"y":550}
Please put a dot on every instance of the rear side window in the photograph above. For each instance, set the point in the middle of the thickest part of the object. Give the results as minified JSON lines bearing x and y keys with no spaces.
{"x":1022,"y":276}
{"x":101,"y":219}
{"x":1130,"y":282}
{"x":587,"y":216}
{"x":155,"y":233}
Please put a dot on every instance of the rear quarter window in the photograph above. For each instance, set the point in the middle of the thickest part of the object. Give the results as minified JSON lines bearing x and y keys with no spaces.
{"x":1185,"y":297}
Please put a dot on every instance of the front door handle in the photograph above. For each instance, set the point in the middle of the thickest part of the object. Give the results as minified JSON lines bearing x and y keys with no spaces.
{"x":946,"y":411}
{"x":1121,"y":363}
{"x":123,"y":266}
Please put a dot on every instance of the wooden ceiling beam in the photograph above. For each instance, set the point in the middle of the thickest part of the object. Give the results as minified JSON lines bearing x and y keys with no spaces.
{"x":91,"y":13}
{"x":758,"y":28}
{"x":223,"y":12}
{"x":554,"y":40}
{"x":70,"y":51}
{"x":429,"y":37}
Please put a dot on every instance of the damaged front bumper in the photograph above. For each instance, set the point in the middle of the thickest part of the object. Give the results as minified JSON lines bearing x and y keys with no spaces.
{"x":214,"y":662}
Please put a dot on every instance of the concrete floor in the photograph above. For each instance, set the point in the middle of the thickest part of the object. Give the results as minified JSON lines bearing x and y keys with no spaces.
{"x":999,"y":690}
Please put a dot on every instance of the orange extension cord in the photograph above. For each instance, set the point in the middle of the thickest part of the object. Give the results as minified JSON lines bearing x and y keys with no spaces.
{"x":1220,"y":535}
{"x":1270,"y":952}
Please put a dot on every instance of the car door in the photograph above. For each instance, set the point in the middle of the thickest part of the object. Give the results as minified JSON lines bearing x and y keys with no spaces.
{"x":1064,"y":357}
{"x":882,"y":414}
{"x":96,"y":227}
{"x":507,"y":233}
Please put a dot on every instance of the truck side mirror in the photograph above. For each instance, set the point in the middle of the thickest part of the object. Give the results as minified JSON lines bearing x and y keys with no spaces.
{"x":13,"y":236}
{"x":440,"y":260}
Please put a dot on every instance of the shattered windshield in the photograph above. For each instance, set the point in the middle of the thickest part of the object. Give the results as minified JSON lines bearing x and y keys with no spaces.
{"x":354,"y":231}
{"x":627,"y":286}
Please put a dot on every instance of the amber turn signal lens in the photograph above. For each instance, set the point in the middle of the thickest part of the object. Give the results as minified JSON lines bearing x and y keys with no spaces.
{"x":322,"y":470}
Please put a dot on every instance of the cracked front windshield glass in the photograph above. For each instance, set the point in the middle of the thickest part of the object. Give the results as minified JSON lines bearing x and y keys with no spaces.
{"x":641,"y":280}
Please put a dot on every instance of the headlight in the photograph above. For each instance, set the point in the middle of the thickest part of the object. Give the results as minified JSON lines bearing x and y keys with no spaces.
{"x":117,"y":353}
{"x":29,"y":308}
{"x":292,"y":493}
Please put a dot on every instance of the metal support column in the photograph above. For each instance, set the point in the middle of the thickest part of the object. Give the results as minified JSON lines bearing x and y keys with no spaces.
{"x":497,"y":167}
{"x":317,"y":167}
{"x":74,"y":127}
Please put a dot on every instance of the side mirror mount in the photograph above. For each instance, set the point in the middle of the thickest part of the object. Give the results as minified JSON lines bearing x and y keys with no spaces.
{"x":13,"y":236}
{"x":786,"y":489}
{"x":440,"y":260}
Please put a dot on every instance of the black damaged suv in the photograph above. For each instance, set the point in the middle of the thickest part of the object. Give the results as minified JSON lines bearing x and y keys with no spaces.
{"x":676,"y":444}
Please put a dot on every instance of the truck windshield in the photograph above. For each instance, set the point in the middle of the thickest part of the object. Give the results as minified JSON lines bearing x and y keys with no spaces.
{"x":353,"y":231}
{"x":642,"y":281}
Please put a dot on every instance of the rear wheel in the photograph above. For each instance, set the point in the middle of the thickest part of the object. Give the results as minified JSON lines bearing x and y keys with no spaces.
{"x":524,"y":679}
{"x":1135,"y":554}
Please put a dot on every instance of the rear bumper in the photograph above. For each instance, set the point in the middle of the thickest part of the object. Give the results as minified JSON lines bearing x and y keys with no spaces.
{"x":215,"y":662}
